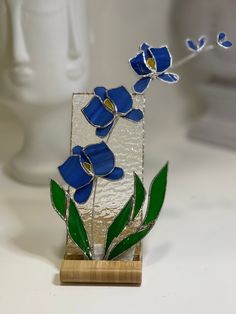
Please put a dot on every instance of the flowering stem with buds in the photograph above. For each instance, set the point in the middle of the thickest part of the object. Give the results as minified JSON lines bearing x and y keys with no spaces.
{"x":192,"y":56}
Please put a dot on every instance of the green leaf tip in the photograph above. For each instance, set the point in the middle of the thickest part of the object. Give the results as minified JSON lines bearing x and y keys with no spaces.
{"x":119,"y":223}
{"x":58,"y":199}
{"x":156,"y":196}
{"x":139,"y":195}
{"x":77,"y":231}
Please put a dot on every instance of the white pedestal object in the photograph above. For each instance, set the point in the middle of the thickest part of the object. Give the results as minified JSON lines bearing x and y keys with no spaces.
{"x":43,"y":60}
{"x":217,"y":125}
{"x":214,"y":72}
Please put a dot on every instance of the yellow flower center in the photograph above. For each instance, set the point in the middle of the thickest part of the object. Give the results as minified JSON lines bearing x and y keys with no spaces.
{"x":151,"y":63}
{"x":109,"y":105}
{"x":87,"y":167}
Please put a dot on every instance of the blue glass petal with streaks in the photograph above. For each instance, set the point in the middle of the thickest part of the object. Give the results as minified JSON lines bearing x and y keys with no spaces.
{"x":162,"y":57}
{"x":84,"y":159}
{"x":116,"y":174}
{"x":73,"y":173}
{"x":77,"y":150}
{"x":147,"y":53}
{"x":96,"y":113}
{"x":191,"y":45}
{"x":169,"y":77}
{"x":101,"y":158}
{"x":102,"y":132}
{"x":141,"y":85}
{"x":144,"y":46}
{"x":82,"y":195}
{"x":221,"y":36}
{"x":227,"y":44}
{"x":121,"y":98}
{"x":202,"y":42}
{"x":100,"y":91}
{"x":138,"y":64}
{"x":135,"y":115}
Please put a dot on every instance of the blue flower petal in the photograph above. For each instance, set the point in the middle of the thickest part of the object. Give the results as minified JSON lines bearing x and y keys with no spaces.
{"x":138,"y":64}
{"x":116,"y":174}
{"x":121,"y":98}
{"x":82,"y":195}
{"x":84,"y":158}
{"x":135,"y":115}
{"x":77,"y":150}
{"x":73,"y":173}
{"x":101,"y":158}
{"x":141,"y":85}
{"x":162,"y":57}
{"x":227,"y":44}
{"x":102,"y":132}
{"x":100,"y":91}
{"x":202,"y":42}
{"x":169,"y":77}
{"x":191,"y":45}
{"x":221,"y":36}
{"x":147,"y":54}
{"x":144,"y":46}
{"x":96,"y":113}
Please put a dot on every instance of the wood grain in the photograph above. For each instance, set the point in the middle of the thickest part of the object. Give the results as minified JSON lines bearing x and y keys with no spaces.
{"x":101,"y":272}
{"x":75,"y":269}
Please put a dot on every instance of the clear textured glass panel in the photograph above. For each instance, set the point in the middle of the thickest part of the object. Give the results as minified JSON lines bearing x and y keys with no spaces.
{"x":127,"y":143}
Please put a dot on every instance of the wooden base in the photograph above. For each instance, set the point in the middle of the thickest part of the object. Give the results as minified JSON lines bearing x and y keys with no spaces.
{"x":101,"y":272}
{"x":78,"y":270}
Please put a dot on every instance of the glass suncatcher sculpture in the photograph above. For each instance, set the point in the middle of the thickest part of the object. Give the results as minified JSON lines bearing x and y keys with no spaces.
{"x":102,"y":206}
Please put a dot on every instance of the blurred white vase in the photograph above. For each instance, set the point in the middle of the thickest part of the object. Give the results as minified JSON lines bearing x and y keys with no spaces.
{"x":43,"y":60}
{"x":214,"y":73}
{"x":218,"y":124}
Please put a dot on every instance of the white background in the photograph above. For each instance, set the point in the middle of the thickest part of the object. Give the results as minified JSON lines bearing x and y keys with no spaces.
{"x":189,"y":258}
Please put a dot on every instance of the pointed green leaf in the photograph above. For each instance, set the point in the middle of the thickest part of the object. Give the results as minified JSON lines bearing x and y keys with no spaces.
{"x":77,"y":231}
{"x":156,"y":196}
{"x":119,"y":223}
{"x":129,"y":241}
{"x":139,"y":195}
{"x":58,"y":199}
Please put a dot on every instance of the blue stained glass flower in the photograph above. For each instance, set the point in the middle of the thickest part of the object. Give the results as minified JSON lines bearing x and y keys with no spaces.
{"x":85,"y":165}
{"x":152,"y":63}
{"x":107,"y":106}
{"x":196,"y":46}
{"x":223,"y":42}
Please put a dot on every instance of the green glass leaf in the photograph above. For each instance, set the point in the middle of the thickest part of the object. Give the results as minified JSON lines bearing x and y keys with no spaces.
{"x":156,"y":196}
{"x":58,"y":199}
{"x":119,"y":223}
{"x":139,"y":195}
{"x":77,"y":231}
{"x":129,"y":241}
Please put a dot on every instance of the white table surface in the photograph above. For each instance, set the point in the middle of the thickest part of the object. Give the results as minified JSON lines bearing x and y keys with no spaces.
{"x":189,"y":258}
